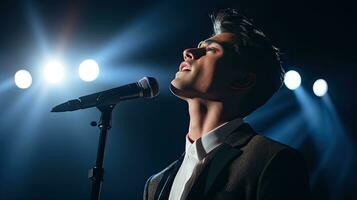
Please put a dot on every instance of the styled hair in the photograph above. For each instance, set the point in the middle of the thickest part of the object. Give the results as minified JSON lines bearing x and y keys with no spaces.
{"x":255,"y":53}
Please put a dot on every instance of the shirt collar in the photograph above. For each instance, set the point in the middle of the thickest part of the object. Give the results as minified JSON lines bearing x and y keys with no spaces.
{"x":211,"y":140}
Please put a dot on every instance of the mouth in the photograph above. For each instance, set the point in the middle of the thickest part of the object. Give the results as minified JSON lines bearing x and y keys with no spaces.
{"x":185,"y":66}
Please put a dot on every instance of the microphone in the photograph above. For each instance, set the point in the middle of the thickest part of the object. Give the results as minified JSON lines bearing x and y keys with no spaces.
{"x":147,"y":87}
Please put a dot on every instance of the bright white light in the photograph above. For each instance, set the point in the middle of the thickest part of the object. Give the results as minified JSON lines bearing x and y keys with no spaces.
{"x":23,"y":79}
{"x":53,"y":72}
{"x":292,"y":79}
{"x":88,"y":70}
{"x":320,"y":87}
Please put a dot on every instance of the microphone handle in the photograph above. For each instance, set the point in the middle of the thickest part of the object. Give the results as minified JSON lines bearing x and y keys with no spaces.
{"x":107,"y":97}
{"x":126,"y":92}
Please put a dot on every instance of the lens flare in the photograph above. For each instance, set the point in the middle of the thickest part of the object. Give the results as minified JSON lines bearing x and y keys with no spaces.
{"x":88,"y":70}
{"x":54,"y":72}
{"x":23,"y":79}
{"x":292,"y":79}
{"x":320,"y":87}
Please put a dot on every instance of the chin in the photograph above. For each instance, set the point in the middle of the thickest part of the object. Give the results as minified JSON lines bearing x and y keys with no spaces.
{"x":179,"y":92}
{"x":186,"y":91}
{"x":176,"y":89}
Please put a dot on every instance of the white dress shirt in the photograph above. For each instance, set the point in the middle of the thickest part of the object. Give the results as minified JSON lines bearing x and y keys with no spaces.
{"x":195,"y":157}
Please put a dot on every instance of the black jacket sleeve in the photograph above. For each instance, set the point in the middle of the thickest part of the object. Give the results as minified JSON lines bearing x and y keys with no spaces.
{"x":284,"y":177}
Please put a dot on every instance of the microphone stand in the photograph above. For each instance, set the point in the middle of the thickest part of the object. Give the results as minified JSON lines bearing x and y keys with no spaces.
{"x":96,"y":173}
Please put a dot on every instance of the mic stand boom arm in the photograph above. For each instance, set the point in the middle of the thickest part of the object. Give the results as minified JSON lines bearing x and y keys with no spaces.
{"x":97,"y":172}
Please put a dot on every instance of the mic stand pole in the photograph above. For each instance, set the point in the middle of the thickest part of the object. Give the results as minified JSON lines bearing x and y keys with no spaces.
{"x":96,"y":173}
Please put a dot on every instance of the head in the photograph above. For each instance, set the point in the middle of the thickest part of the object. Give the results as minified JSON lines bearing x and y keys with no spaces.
{"x":238,"y":65}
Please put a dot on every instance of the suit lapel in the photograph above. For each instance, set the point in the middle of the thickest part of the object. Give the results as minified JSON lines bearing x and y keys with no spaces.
{"x":225,"y":154}
{"x":221,"y":157}
{"x":164,"y":187}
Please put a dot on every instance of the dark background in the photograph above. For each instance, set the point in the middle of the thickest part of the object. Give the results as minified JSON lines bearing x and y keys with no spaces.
{"x":46,"y":155}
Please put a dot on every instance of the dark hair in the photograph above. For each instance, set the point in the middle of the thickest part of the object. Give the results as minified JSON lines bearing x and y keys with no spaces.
{"x":255,"y":53}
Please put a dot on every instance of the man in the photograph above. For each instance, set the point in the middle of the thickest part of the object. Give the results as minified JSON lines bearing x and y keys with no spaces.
{"x":223,"y":80}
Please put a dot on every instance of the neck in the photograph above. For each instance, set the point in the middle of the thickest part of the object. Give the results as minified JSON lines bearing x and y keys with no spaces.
{"x":205,"y":116}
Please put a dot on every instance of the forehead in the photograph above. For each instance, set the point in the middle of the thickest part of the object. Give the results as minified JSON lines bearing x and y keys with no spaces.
{"x":225,"y":37}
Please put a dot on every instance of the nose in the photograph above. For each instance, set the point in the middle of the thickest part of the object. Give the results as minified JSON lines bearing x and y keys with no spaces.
{"x":193,"y":53}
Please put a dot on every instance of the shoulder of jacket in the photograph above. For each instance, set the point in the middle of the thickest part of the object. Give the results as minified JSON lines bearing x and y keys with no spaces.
{"x":158,"y":176}
{"x":261,"y":150}
{"x":268,"y":144}
{"x":153,"y":182}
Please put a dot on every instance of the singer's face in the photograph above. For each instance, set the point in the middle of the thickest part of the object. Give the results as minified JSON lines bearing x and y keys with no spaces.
{"x":207,"y":70}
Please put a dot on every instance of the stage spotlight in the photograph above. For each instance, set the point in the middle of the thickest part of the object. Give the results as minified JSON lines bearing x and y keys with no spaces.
{"x":292,"y":79}
{"x":23,"y":79}
{"x":54,"y":72}
{"x":320,"y":87}
{"x":88,"y":70}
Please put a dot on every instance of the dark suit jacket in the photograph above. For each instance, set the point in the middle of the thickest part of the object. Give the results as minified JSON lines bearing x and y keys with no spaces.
{"x":246,"y":167}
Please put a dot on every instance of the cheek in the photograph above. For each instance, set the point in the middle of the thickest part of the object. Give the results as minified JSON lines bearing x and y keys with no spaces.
{"x":207,"y":75}
{"x":221,"y":76}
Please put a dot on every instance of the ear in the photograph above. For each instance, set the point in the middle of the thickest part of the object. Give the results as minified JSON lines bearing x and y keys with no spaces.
{"x":246,"y":82}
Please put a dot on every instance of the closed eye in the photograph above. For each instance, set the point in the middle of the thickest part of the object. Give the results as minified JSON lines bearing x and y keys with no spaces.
{"x":211,"y":49}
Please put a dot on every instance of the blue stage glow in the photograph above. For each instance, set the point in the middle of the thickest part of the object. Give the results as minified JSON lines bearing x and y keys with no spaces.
{"x":37,"y":28}
{"x":309,"y":107}
{"x":6,"y":85}
{"x":292,"y":79}
{"x":329,"y":139}
{"x":318,"y":122}
{"x":342,"y":146}
{"x":276,"y":105}
{"x":37,"y":140}
{"x":136,"y":37}
{"x":289,"y":130}
{"x":129,"y":39}
{"x":14,"y":109}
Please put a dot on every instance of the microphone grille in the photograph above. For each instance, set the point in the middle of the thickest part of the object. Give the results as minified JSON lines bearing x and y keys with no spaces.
{"x":150,"y":87}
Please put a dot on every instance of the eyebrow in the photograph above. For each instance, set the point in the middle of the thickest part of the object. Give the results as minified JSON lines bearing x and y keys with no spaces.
{"x":224,"y":45}
{"x":208,"y":42}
